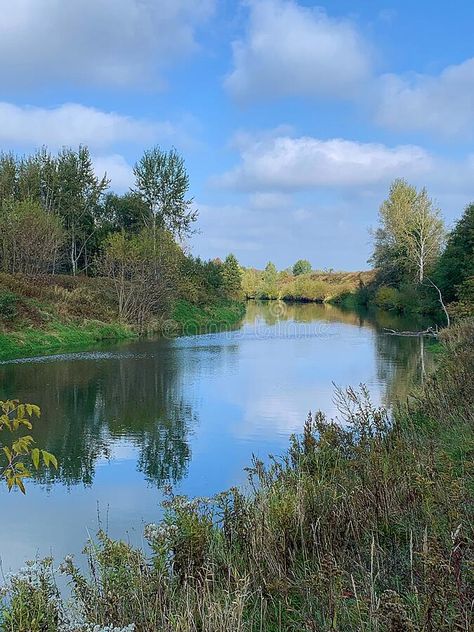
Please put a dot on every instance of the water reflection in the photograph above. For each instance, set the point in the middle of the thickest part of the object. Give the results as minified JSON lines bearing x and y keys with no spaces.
{"x":91,"y":405}
{"x":191,"y":411}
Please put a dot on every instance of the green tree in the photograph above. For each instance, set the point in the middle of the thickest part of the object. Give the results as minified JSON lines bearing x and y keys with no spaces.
{"x":78,"y":196}
{"x":456,"y":264}
{"x":30,"y":238}
{"x":231,"y":277}
{"x":19,"y":454}
{"x":302,"y":266}
{"x":162,"y":182}
{"x":124,"y":212}
{"x":251,"y":282}
{"x":143,"y":269}
{"x":410,"y":236}
{"x":269,"y":287}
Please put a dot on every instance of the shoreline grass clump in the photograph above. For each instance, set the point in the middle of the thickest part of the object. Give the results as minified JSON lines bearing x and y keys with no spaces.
{"x":365,"y":524}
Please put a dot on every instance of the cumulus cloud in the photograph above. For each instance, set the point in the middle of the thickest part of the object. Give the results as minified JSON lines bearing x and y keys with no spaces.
{"x":114,"y":42}
{"x":117,"y":169}
{"x":293,"y":50}
{"x":74,"y":124}
{"x":442,"y":104}
{"x":288,"y":163}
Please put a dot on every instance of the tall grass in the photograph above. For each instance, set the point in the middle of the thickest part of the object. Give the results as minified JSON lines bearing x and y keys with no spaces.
{"x":365,"y":524}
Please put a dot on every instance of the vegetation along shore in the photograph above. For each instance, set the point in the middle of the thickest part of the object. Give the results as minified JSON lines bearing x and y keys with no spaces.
{"x":361,"y":525}
{"x":108,"y":266}
{"x":364,"y":524}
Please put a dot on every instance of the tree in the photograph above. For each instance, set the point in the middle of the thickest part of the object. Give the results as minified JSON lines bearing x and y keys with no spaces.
{"x":410,"y":236}
{"x":30,"y":238}
{"x":124,"y":212}
{"x":16,"y":455}
{"x":231,"y":277}
{"x":456,"y":264}
{"x":143,"y":269}
{"x":162,"y":182}
{"x":78,"y":196}
{"x":302,"y":266}
{"x":270,"y":281}
{"x":251,"y":282}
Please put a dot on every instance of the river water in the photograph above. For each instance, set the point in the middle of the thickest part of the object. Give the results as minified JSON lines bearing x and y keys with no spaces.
{"x":124,"y":420}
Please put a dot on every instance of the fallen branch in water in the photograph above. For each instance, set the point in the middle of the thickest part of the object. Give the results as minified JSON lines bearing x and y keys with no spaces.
{"x":427,"y":332}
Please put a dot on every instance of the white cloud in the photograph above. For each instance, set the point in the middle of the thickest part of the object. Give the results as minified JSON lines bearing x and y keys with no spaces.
{"x":74,"y":124}
{"x":118,"y":170}
{"x":287,"y":163}
{"x":293,"y":50}
{"x":95,"y":41}
{"x":442,"y":104}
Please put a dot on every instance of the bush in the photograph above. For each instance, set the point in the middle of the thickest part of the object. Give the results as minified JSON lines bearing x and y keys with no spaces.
{"x":8,"y":306}
{"x":387,"y":298}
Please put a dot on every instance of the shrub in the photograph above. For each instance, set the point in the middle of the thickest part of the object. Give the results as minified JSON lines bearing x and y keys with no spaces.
{"x":8,"y":306}
{"x":387,"y":297}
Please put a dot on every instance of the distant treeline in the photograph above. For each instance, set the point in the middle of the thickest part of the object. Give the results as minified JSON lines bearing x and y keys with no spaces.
{"x":418,"y":265}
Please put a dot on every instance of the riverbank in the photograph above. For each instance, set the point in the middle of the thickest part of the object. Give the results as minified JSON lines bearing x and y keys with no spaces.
{"x":360,"y":526}
{"x":60,"y":313}
{"x":313,"y":287}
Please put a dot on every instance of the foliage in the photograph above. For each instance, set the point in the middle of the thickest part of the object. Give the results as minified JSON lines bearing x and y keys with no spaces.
{"x":17,"y":455}
{"x":387,"y":297}
{"x":8,"y":306}
{"x":456,"y":263}
{"x":363,"y":525}
{"x":187,"y":318}
{"x":35,"y":604}
{"x":127,"y":212}
{"x":20,"y":250}
{"x":269,"y":287}
{"x":143,"y":269}
{"x":251,"y":282}
{"x":67,"y":190}
{"x":231,"y":278}
{"x":302,"y":266}
{"x":162,"y":182}
{"x":55,"y":217}
{"x":314,"y":287}
{"x":409,"y":239}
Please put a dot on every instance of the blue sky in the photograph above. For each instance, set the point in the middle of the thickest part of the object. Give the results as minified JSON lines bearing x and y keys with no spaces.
{"x":293,"y":117}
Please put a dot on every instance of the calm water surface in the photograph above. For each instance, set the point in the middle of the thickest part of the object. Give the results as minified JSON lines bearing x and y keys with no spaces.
{"x":127,"y":419}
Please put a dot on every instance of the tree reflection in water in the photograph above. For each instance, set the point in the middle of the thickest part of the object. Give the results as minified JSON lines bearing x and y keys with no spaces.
{"x":91,"y":406}
{"x":139,"y":401}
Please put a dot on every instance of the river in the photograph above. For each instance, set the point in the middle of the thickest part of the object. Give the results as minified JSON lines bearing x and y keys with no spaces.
{"x":124,"y":420}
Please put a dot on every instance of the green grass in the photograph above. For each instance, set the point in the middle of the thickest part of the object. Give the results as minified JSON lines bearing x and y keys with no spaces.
{"x":57,"y":336}
{"x":219,"y":316}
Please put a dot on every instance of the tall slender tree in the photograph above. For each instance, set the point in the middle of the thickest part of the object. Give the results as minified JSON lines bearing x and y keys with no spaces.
{"x":80,"y":191}
{"x":162,"y":182}
{"x":410,"y":236}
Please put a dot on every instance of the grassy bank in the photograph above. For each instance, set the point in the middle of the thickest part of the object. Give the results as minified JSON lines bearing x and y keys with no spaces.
{"x":48,"y":313}
{"x":360,"y":526}
{"x":222,"y":315}
{"x":58,"y":336}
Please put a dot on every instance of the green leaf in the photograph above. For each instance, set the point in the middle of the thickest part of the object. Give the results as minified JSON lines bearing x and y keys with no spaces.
{"x":49,"y":459}
{"x":35,"y":457}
